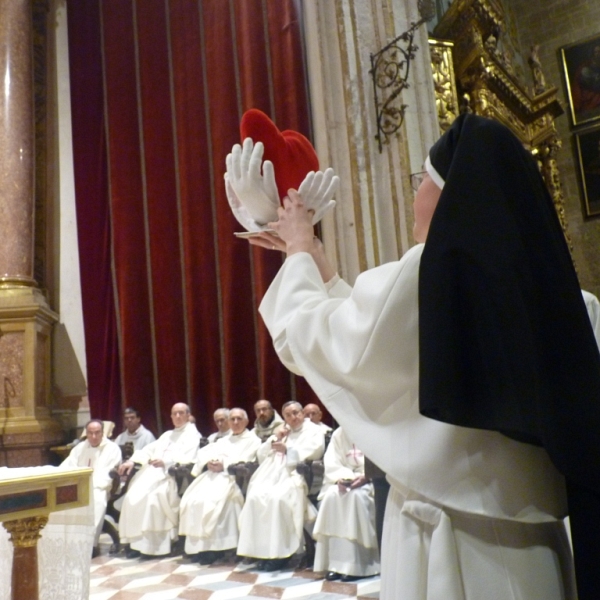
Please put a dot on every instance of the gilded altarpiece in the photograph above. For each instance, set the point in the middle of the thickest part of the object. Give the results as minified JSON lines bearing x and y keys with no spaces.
{"x":487,"y":84}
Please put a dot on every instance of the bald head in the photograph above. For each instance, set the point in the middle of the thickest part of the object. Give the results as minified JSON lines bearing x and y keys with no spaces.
{"x":313,"y":412}
{"x":180,"y":413}
{"x":238,"y":420}
{"x":221,"y":418}
{"x":264,"y":412}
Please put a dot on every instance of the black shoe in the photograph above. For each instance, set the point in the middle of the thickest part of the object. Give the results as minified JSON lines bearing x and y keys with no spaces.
{"x":349,"y":578}
{"x":275,"y":564}
{"x":131,"y":553}
{"x":207,"y":558}
{"x":115,"y":549}
{"x":219,"y":555}
{"x":332,"y":576}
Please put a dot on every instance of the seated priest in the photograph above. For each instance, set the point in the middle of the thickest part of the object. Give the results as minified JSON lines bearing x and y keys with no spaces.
{"x":135,"y":433}
{"x":345,"y":528}
{"x":102,"y":455}
{"x":149,"y":518}
{"x":267,"y":420}
{"x":277,"y":507}
{"x":314,"y":413}
{"x":211,"y":505}
{"x":221,"y":419}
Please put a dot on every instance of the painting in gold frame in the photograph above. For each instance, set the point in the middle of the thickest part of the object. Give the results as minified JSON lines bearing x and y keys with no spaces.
{"x":587,"y":150}
{"x":581,"y":68}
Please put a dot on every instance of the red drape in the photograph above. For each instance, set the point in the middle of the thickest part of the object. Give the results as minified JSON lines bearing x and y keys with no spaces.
{"x":169,"y":295}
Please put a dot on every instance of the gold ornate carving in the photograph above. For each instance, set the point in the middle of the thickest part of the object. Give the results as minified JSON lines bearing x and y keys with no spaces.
{"x":24,"y":533}
{"x":444,"y":82}
{"x":546,"y":153}
{"x":488,"y":86}
{"x":12,"y":353}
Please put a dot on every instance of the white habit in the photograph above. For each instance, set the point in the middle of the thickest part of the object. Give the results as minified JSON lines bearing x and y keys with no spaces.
{"x":217,"y":435}
{"x":325,"y":428}
{"x":276,"y":508}
{"x":471,"y":514}
{"x":211,"y":506}
{"x":150,"y":515}
{"x":140,"y":438}
{"x":263,"y":432}
{"x":102,"y":459}
{"x":345,"y":528}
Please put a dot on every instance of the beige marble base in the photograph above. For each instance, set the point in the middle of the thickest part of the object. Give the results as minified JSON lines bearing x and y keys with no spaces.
{"x":27,"y":429}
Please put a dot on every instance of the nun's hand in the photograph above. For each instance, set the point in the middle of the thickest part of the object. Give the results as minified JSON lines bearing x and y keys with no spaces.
{"x":269,"y":241}
{"x":294,"y":226}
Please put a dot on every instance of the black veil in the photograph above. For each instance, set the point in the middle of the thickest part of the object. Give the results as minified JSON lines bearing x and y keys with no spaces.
{"x":505,"y":339}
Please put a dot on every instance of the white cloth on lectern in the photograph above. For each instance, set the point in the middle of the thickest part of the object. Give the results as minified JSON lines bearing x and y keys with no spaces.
{"x":150,"y":514}
{"x":345,"y":527}
{"x":101,"y":459}
{"x":64,"y":550}
{"x":211,"y":506}
{"x":276,"y":505}
{"x":358,"y":349}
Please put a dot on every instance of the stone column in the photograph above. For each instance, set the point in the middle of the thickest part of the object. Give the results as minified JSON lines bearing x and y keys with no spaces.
{"x":24,"y":534}
{"x":372,"y":222}
{"x":25,"y":318}
{"x":17,"y":149}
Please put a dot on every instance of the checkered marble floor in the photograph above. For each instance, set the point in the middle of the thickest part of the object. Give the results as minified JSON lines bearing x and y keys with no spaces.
{"x":117,"y":578}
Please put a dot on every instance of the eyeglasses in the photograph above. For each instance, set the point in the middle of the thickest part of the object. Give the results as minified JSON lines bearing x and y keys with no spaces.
{"x":416,"y":179}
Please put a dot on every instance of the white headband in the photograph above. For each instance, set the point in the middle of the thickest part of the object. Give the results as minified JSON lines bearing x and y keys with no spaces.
{"x":434,"y":174}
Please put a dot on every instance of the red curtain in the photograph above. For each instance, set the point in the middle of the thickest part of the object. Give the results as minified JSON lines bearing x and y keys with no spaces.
{"x":169,"y":295}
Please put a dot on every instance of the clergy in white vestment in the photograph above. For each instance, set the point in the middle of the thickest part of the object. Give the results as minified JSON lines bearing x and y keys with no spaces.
{"x":268,"y":420}
{"x":345,"y":527}
{"x":221,"y":419}
{"x":211,"y":505}
{"x":135,"y":433}
{"x":315,"y":414}
{"x":277,"y":507}
{"x":149,"y":518}
{"x":102,"y":455}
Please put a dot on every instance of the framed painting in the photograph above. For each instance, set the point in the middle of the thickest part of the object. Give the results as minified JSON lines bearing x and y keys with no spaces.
{"x":581,"y":67}
{"x":587,"y":150}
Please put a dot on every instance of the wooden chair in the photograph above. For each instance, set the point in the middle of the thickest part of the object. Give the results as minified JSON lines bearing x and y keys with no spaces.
{"x":313,"y":472}
{"x":120,"y":485}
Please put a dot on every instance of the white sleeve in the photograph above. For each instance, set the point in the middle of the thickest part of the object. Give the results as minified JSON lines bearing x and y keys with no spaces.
{"x":73,"y":459}
{"x":335,"y":459}
{"x":593,"y":307}
{"x":350,"y":343}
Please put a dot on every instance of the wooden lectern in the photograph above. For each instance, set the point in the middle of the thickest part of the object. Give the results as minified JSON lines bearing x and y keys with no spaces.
{"x":25,"y":503}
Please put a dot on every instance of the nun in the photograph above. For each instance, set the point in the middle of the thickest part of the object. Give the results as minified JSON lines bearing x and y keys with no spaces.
{"x":468,"y":371}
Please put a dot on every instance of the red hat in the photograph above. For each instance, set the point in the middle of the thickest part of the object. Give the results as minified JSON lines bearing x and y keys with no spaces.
{"x":292,"y":155}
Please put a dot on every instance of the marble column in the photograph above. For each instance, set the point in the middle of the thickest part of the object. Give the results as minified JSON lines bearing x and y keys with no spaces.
{"x":17,"y":150}
{"x":26,"y":429}
{"x":372,"y":222}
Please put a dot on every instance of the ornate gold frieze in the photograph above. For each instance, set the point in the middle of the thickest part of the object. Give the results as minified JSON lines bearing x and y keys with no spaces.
{"x":488,"y":85}
{"x":24,"y":533}
{"x":444,"y":82}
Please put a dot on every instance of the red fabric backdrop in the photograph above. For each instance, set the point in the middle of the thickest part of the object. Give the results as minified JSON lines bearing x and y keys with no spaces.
{"x":169,"y":295}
